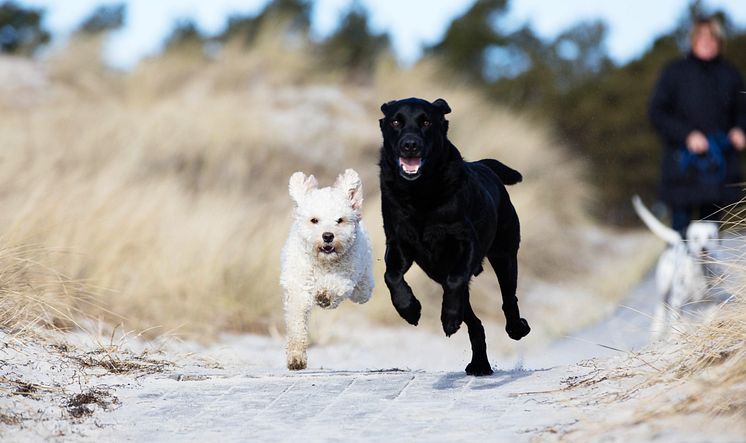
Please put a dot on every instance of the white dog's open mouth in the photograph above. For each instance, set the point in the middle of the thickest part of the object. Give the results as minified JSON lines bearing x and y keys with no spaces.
{"x":410,"y":165}
{"x":327,"y":249}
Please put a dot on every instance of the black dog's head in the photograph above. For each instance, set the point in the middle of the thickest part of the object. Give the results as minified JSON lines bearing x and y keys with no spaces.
{"x":414,"y":132}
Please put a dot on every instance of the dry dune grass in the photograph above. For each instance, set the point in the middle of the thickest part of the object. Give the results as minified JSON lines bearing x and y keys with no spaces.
{"x":165,"y":188}
{"x":694,"y":383}
{"x":34,"y":297}
{"x":708,"y":373}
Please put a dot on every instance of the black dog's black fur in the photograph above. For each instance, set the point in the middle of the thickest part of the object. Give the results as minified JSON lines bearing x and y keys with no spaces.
{"x":446,"y":215}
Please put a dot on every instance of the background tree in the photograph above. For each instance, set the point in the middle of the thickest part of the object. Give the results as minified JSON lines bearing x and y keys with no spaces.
{"x":518,"y":72}
{"x":468,"y":38}
{"x":21,"y":31}
{"x":353,"y":46}
{"x":185,"y":36}
{"x":244,"y":28}
{"x":104,"y":18}
{"x":605,"y":119}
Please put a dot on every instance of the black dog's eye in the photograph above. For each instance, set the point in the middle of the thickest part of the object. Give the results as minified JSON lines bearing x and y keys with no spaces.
{"x":340,"y":220}
{"x":425,"y":123}
{"x":314,"y":220}
{"x":396,"y":124}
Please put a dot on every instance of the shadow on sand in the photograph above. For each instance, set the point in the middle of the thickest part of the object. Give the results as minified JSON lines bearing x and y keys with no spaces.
{"x":456,"y":380}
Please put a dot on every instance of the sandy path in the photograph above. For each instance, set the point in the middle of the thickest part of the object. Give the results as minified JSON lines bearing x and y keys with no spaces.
{"x":626,"y":329}
{"x":341,"y":406}
{"x":253,"y":397}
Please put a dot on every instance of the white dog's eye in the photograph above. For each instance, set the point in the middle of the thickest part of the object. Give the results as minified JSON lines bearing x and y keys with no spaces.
{"x":314,"y":220}
{"x":340,"y":220}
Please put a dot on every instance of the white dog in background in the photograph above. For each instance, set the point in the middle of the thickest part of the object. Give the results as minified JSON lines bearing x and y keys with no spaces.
{"x":681,"y":276}
{"x":327,"y":256}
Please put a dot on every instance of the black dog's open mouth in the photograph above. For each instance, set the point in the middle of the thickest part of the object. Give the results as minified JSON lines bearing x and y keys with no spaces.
{"x":326,"y":249}
{"x":410,"y":167}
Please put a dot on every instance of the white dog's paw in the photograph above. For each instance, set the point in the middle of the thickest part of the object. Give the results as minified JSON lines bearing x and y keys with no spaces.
{"x":297,"y":360}
{"x":331,"y":290}
{"x":323,"y":299}
{"x":361,"y":297}
{"x":326,"y":299}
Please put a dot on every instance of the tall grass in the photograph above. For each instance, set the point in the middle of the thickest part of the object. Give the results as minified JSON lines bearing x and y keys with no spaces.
{"x":708,"y":372}
{"x":693,"y":383}
{"x":166,"y":187}
{"x":34,"y":297}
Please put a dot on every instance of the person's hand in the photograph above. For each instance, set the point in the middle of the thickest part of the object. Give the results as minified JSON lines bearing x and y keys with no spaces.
{"x":737,"y":137}
{"x":696,"y":142}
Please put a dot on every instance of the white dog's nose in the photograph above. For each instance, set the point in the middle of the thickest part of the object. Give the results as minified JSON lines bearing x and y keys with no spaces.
{"x":327,"y":236}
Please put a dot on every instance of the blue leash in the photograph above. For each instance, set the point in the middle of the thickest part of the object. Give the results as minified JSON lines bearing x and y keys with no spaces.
{"x":710,"y":166}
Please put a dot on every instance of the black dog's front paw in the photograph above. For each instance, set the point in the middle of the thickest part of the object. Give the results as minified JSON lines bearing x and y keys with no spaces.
{"x":479,"y":368}
{"x":518,"y":330}
{"x":451,"y":321}
{"x":410,"y":312}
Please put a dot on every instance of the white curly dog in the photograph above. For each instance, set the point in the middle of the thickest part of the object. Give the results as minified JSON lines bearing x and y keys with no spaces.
{"x":327,"y":256}
{"x":684,"y":273}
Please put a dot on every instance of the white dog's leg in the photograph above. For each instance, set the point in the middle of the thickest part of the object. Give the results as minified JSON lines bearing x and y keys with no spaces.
{"x":364,"y":289}
{"x":331,"y":289}
{"x":297,"y":310}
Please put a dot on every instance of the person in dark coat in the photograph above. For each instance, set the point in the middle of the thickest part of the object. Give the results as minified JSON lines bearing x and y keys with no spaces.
{"x":698,"y":108}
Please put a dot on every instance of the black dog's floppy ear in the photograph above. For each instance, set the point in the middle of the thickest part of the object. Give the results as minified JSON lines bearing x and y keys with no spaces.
{"x":442,"y":105}
{"x":386,"y":106}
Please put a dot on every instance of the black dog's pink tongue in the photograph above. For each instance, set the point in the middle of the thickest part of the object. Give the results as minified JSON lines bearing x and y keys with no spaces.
{"x":410,"y":164}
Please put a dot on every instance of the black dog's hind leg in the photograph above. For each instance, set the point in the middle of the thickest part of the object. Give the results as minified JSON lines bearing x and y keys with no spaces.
{"x":479,"y":364}
{"x":397,"y":264}
{"x":506,"y":268}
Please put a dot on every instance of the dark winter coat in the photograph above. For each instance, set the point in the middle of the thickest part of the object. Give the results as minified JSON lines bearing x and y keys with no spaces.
{"x":708,"y":96}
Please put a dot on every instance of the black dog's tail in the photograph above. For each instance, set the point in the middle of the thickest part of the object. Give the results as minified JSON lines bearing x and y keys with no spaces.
{"x":507,"y":175}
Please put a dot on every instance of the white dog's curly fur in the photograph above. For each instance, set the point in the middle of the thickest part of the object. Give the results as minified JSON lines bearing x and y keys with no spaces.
{"x":327,"y":256}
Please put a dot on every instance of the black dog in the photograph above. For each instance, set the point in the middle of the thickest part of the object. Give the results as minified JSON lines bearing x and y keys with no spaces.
{"x":446,"y":215}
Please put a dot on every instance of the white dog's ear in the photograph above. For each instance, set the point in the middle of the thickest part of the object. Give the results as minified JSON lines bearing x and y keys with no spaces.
{"x":350,"y":182}
{"x":300,"y":185}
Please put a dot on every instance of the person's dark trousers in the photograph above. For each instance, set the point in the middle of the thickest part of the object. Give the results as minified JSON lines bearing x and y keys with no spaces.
{"x":681,"y":216}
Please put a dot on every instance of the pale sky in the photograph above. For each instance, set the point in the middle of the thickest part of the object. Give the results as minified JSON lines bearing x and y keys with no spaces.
{"x":412,"y":24}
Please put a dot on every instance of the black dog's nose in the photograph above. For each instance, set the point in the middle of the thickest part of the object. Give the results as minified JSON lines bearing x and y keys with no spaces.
{"x":328,"y":237}
{"x":410,"y":147}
